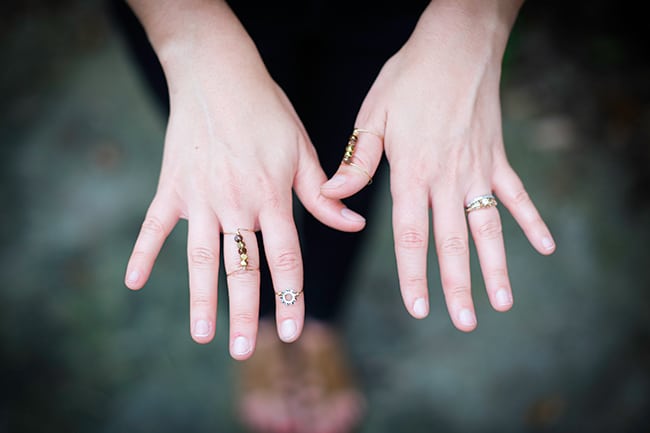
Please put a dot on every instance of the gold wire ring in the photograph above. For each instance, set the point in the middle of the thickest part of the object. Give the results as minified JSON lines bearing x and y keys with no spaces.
{"x":358,"y":167}
{"x":241,"y":269}
{"x":376,"y":134}
{"x":481,"y":202}
{"x":288,"y":296}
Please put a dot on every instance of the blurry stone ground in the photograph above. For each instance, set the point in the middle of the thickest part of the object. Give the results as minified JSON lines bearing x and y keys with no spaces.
{"x":79,"y":158}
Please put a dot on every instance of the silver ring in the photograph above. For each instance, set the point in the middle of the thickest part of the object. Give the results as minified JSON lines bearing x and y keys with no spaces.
{"x":288,"y":296}
{"x":481,"y":202}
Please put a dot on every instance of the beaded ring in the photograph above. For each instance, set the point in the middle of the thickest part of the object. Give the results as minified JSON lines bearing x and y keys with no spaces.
{"x":241,"y":250}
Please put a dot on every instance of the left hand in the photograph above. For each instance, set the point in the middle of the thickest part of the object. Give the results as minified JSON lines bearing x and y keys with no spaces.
{"x":436,"y":104}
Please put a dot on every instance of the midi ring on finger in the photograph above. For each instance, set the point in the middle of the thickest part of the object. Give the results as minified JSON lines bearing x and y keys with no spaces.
{"x":288,"y":296}
{"x":241,"y":249}
{"x":481,"y":202}
{"x":351,"y":146}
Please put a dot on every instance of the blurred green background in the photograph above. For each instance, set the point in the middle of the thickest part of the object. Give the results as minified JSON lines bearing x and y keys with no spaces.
{"x":80,"y":150}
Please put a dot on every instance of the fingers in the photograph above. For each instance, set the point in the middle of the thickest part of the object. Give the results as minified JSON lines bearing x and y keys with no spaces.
{"x":330,"y":211}
{"x":282,"y":249}
{"x":241,"y":260}
{"x":513,"y":195}
{"x":361,"y":158}
{"x":450,"y":232}
{"x":203,"y":266}
{"x":411,"y":232}
{"x":161,"y":218}
{"x":485,"y":225}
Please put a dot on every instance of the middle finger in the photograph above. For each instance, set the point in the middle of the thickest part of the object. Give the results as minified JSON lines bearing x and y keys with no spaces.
{"x":241,"y":260}
{"x":450,"y":232}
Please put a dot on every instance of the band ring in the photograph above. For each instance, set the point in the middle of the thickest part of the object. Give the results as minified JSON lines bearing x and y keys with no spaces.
{"x":241,"y":249}
{"x":481,"y":202}
{"x":288,"y":296}
{"x":358,"y":167}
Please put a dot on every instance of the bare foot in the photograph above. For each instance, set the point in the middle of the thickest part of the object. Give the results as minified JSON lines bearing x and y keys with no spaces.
{"x":301,"y":387}
{"x":327,"y":399}
{"x":264,"y":385}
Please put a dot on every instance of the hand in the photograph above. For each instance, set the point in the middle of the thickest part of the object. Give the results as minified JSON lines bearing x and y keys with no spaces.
{"x":436,"y":103}
{"x":234,"y":148}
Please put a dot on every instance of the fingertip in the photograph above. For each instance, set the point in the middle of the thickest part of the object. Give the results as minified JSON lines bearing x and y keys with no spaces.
{"x":241,"y":348}
{"x":288,"y":330}
{"x":465,"y":320}
{"x":202,"y":331}
{"x":547,"y":245}
{"x":501,"y":300}
{"x":353,"y":217}
{"x":420,"y":308}
{"x":132,"y":280}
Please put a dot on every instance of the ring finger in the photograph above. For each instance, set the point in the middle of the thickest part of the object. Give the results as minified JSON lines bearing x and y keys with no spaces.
{"x":485,"y":225}
{"x":453,"y":256}
{"x":282,"y":249}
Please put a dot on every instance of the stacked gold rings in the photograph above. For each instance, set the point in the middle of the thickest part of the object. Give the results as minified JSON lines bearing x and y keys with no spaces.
{"x":349,"y":150}
{"x":241,"y":250}
{"x":481,"y":202}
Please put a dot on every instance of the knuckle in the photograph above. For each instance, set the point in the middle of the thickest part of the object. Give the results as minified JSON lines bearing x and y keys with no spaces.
{"x":453,"y":246}
{"x":456,"y":291}
{"x":200,"y":301}
{"x":490,"y":230}
{"x":243,"y":277}
{"x":243,"y":318}
{"x":287,"y":261}
{"x":415,"y":281}
{"x":202,"y":257}
{"x":521,"y":197}
{"x":497,"y":274}
{"x":412,"y":239}
{"x":153,"y":226}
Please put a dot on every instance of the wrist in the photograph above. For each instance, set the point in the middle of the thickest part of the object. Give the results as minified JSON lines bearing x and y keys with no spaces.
{"x":195,"y":36}
{"x":473,"y":27}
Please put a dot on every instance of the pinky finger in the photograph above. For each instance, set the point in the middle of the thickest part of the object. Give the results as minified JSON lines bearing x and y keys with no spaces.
{"x":514,"y":196}
{"x":160,"y":220}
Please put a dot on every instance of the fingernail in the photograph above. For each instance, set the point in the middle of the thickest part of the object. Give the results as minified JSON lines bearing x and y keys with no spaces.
{"x":548,"y":243}
{"x":503,"y":298}
{"x":132,"y":277}
{"x":241,"y":346}
{"x":201,"y":328}
{"x":466,"y":317}
{"x":288,"y":329}
{"x":336,"y":181}
{"x":420,"y":307}
{"x":352,"y":216}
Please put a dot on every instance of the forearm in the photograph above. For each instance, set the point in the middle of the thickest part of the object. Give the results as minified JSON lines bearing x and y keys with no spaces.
{"x":197,"y":35}
{"x":474,"y":27}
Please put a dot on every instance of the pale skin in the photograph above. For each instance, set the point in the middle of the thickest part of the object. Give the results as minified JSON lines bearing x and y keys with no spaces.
{"x":235,"y":149}
{"x":436,"y":103}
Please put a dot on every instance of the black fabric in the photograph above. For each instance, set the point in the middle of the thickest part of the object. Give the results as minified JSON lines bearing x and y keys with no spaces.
{"x":325,"y":56}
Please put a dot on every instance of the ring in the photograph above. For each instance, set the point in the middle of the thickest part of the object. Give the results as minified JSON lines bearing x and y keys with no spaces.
{"x":358,"y":167}
{"x":288,"y":296}
{"x":481,"y":202}
{"x":352,"y":142}
{"x":349,"y":149}
{"x":241,"y":248}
